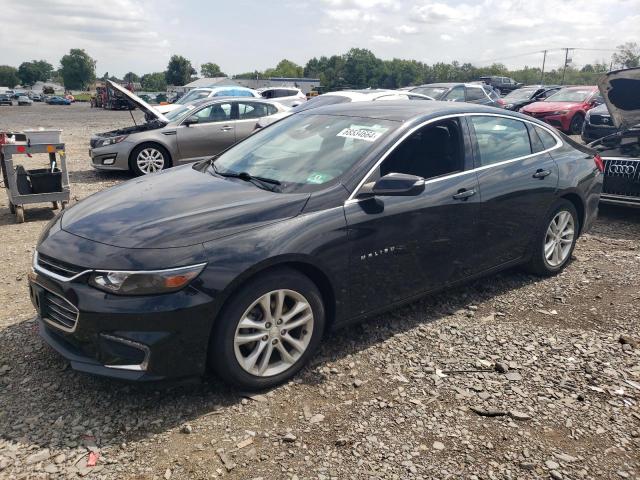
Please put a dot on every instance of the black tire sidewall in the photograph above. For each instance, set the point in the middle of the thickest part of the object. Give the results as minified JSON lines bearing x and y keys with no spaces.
{"x":574,"y":129}
{"x":539,"y":261}
{"x":133,"y":165}
{"x":222,"y":358}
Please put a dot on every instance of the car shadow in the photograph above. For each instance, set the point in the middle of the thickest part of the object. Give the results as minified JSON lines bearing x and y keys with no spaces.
{"x":93,"y":176}
{"x":67,"y":404}
{"x":32,"y":213}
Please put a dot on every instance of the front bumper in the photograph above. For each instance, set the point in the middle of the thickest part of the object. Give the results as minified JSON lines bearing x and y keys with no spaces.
{"x":142,"y":338}
{"x":112,"y":157}
{"x":622,"y":200}
{"x":594,"y":132}
{"x":561,"y":122}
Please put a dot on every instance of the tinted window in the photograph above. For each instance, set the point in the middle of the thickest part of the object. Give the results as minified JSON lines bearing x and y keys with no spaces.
{"x":271,"y":109}
{"x":432,"y":151}
{"x":433,"y":92}
{"x":475,"y":93}
{"x":455,"y":95}
{"x":252,"y":110}
{"x":500,"y":139}
{"x":219,"y":112}
{"x":268,"y":94}
{"x":283,"y":92}
{"x":546,"y":138}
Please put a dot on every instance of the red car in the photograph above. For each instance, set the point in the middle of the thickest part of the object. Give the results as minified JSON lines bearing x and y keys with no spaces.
{"x":567,"y":108}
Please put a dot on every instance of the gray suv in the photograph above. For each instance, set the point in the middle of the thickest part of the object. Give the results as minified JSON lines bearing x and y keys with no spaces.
{"x":190,"y":133}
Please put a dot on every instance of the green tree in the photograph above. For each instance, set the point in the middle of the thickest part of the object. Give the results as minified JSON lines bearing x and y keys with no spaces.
{"x":78,"y":69}
{"x":179,"y":71}
{"x":211,"y":70}
{"x":285,"y":68}
{"x":131,"y":77}
{"x":8,"y":76}
{"x":32,"y":72}
{"x":154,"y":82}
{"x":627,"y":55}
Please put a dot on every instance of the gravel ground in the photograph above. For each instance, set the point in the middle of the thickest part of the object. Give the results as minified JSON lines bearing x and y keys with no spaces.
{"x":510,"y":376}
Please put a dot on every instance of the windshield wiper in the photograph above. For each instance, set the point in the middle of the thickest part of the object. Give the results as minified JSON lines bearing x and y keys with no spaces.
{"x":261,"y":182}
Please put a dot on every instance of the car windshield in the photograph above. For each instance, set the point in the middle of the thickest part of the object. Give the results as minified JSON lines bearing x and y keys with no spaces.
{"x":433,"y":92}
{"x":570,"y":95}
{"x":304,"y":152}
{"x":520,"y":94}
{"x":192,"y":96}
{"x":179,"y":112}
{"x":320,"y":101}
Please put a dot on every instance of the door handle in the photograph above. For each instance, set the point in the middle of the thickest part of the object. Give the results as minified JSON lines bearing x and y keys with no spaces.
{"x":226,"y":128}
{"x":463,"y":194}
{"x":540,"y":173}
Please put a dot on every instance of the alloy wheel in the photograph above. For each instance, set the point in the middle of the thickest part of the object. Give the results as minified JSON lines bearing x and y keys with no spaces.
{"x":273,"y":333}
{"x":559,"y":238}
{"x":150,"y":160}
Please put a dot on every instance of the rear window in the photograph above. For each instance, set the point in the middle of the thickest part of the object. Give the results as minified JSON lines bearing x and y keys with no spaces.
{"x":321,"y":101}
{"x":475,"y":93}
{"x":548,"y":140}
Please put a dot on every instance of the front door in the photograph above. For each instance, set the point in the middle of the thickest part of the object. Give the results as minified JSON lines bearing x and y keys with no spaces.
{"x":214,"y":132}
{"x":402,"y":246}
{"x":518,"y":181}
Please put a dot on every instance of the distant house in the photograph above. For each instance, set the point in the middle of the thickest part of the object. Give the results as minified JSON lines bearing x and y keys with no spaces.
{"x":205,"y":83}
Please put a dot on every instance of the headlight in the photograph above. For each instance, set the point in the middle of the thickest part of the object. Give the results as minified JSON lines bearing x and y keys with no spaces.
{"x":111,"y":140}
{"x":145,"y":282}
{"x":559,"y":112}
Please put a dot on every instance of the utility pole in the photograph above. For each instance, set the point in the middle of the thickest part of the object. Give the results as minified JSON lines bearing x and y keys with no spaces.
{"x":566,"y":57}
{"x":544,"y":60}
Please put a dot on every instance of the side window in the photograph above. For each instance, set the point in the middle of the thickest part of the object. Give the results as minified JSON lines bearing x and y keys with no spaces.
{"x":475,"y":93}
{"x":268,"y":94}
{"x":432,"y":151}
{"x":455,"y":95}
{"x":271,"y":109}
{"x":500,"y":139}
{"x":252,"y":110}
{"x":546,"y":138}
{"x":219,"y":112}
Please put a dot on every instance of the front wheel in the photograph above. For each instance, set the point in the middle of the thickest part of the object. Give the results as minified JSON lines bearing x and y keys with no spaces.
{"x":575,"y":127}
{"x":268,"y":330}
{"x":556,"y":241}
{"x":149,"y":158}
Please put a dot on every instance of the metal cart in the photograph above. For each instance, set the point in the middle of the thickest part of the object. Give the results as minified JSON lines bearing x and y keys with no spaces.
{"x":21,"y":190}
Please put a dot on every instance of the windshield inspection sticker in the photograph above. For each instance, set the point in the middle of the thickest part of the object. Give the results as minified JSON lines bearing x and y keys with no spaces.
{"x":316,"y":177}
{"x":360,"y":134}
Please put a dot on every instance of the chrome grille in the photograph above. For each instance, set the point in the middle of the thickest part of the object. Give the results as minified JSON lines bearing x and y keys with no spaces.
{"x":57,"y":267}
{"x":621,"y":177}
{"x":58,"y":311}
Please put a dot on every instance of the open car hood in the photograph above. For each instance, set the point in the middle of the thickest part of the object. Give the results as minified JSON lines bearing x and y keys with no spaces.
{"x":138,"y":102}
{"x":621,"y":92}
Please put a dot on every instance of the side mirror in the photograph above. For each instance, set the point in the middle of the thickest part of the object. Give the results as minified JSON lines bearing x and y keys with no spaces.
{"x":394,"y":185}
{"x":190,"y":121}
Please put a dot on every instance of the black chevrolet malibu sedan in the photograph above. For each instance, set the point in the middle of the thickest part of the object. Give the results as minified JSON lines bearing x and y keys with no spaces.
{"x":240,"y":263}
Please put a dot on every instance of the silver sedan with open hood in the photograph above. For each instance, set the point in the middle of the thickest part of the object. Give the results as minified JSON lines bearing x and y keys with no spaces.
{"x":187,"y":134}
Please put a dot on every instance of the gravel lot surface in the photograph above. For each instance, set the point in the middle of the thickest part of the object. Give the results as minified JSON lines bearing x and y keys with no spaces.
{"x":511,"y":376}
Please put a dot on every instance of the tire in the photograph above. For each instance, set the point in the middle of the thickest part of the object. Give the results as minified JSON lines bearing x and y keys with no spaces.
{"x":575,"y":127}
{"x":540,"y":263}
{"x":153,"y":150}
{"x":19,"y":214}
{"x":233,"y":363}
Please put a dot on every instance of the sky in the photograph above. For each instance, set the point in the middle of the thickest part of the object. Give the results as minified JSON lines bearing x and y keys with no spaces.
{"x":248,"y":35}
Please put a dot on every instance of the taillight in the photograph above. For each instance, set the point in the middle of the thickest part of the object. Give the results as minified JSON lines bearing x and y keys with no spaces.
{"x":599,"y":163}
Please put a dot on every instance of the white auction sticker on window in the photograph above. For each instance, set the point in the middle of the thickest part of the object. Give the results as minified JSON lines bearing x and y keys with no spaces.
{"x":360,"y":134}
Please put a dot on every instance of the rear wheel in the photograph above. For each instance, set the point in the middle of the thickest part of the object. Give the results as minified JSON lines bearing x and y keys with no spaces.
{"x":268,"y":330}
{"x":555,"y":242}
{"x":575,"y":127}
{"x":149,"y":158}
{"x":19,"y":214}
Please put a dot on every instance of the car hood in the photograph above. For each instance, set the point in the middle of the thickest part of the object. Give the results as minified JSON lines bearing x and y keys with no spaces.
{"x":550,"y":106}
{"x":175,"y":208}
{"x":620,"y":91}
{"x":138,"y":102}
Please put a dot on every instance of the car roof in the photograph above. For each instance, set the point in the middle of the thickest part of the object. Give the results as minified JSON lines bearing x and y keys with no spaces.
{"x":206,"y":101}
{"x":405,"y":110}
{"x":441,"y":84}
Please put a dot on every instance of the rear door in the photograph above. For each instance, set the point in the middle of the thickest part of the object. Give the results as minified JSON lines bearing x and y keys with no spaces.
{"x":518,"y":183}
{"x":214,"y":132}
{"x":248,"y":114}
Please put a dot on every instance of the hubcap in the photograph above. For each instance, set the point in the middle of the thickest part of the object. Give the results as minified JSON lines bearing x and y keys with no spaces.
{"x":559,"y":238}
{"x":273,"y":333}
{"x":150,"y":160}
